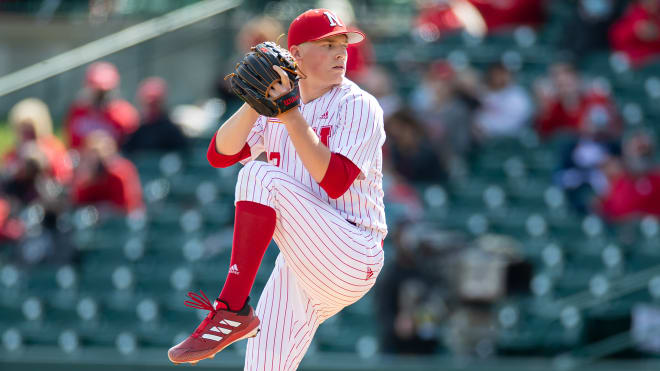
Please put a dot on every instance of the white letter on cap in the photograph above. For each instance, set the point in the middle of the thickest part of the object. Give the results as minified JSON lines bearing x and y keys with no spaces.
{"x":334,"y":21}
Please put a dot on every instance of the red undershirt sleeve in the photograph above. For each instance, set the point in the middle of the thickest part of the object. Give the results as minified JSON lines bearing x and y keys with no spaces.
{"x":219,"y":160}
{"x":339,"y":176}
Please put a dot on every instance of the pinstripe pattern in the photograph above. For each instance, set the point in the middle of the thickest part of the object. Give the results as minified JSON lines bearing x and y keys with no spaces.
{"x":289,"y":324}
{"x":355,"y":120}
{"x":322,"y":267}
{"x":325,"y":262}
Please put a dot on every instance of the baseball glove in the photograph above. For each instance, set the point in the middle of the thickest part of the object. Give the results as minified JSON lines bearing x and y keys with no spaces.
{"x":254,"y":76}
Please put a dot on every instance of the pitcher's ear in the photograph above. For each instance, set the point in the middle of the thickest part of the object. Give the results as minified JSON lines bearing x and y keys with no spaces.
{"x":295,"y":52}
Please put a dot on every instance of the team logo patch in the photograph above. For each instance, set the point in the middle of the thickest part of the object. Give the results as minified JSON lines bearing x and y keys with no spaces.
{"x":333,"y":19}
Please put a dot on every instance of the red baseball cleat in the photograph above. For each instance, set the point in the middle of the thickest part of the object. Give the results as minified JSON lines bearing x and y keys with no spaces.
{"x":219,"y":329}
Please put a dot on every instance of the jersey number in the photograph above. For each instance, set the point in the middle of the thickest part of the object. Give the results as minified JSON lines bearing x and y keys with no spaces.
{"x":324,"y":133}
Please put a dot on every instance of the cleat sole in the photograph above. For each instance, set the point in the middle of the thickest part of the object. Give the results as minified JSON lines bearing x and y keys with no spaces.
{"x":252,"y":334}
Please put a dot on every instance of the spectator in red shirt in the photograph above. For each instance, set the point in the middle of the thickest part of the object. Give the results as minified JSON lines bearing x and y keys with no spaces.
{"x":477,"y":16}
{"x":503,"y":14}
{"x":435,"y":20}
{"x":566,"y":103}
{"x":99,"y":108}
{"x":104,"y":177}
{"x":634,"y":188}
{"x":637,"y":33}
{"x":30,"y":119}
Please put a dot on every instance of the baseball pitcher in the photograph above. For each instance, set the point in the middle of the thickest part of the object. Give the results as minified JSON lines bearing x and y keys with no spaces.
{"x":319,"y":196}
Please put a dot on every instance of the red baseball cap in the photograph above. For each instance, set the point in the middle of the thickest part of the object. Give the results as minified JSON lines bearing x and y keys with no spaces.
{"x":316,"y":24}
{"x":152,"y":89}
{"x":102,"y":76}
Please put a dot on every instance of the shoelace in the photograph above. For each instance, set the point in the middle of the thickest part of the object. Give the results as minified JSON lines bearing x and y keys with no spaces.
{"x":200,"y":302}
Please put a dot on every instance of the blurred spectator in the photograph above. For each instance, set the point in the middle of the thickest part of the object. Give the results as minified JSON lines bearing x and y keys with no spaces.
{"x":157,"y":132}
{"x":582,"y":161}
{"x":436,"y":19}
{"x":403,"y":200}
{"x":505,"y":106}
{"x":411,"y":293}
{"x":493,"y":268}
{"x":99,"y":108}
{"x":29,"y":175}
{"x":31,"y":122}
{"x":29,"y":212}
{"x":37,"y":169}
{"x":411,"y":153}
{"x":378,"y":82}
{"x":104,"y":177}
{"x":565,"y":102}
{"x":588,"y":28}
{"x":32,"y":188}
{"x":581,"y":175}
{"x":253,"y":32}
{"x":637,"y":32}
{"x":478,"y":17}
{"x":258,"y":30}
{"x":503,"y":14}
{"x":360,"y":59}
{"x":445,"y":102}
{"x":634,"y":182}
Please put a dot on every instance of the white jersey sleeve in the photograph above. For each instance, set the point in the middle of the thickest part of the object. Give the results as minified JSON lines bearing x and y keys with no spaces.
{"x":256,"y":140}
{"x":360,"y":131}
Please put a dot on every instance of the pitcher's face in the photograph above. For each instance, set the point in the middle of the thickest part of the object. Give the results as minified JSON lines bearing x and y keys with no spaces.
{"x":324,"y":60}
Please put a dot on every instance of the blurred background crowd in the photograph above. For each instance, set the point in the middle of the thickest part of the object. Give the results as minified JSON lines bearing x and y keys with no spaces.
{"x":521,"y":181}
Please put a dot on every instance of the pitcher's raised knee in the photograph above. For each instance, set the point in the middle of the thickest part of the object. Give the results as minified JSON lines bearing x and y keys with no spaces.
{"x":256,"y":182}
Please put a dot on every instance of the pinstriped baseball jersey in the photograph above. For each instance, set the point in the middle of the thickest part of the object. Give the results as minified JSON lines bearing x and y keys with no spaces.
{"x":349,"y":121}
{"x":325,"y":264}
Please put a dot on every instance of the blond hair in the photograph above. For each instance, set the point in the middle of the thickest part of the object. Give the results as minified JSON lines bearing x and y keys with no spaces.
{"x":258,"y":30}
{"x":34,"y":112}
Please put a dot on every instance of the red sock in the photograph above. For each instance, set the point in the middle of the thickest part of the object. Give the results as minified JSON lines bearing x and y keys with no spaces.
{"x":253,"y":229}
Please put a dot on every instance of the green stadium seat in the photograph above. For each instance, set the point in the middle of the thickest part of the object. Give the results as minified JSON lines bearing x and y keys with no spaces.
{"x":39,"y":333}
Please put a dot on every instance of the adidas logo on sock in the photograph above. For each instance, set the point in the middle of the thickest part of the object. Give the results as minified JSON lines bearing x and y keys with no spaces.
{"x":233,"y":269}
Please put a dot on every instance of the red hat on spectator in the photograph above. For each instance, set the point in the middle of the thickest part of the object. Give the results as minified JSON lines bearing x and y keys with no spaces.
{"x":441,"y":69}
{"x":102,"y":76}
{"x":316,"y":24}
{"x":152,"y":90}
